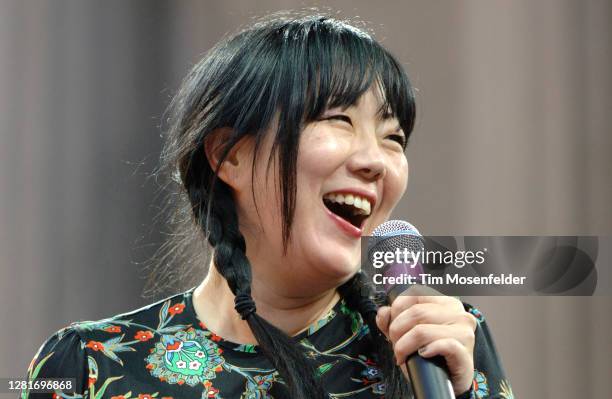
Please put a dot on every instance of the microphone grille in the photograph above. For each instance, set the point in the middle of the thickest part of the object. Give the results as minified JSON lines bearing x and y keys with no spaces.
{"x":396,"y":234}
{"x":395,"y":227}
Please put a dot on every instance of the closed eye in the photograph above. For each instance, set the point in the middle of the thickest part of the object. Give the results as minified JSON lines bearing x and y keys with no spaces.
{"x":398,"y":136}
{"x":341,"y":118}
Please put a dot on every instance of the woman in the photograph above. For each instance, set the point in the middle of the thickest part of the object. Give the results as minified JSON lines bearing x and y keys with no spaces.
{"x":287,"y":141}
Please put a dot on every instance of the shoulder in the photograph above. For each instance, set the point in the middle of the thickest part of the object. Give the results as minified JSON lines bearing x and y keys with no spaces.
{"x":153,"y":316}
{"x":62,"y":355}
{"x":61,"y":348}
{"x":73,"y":351}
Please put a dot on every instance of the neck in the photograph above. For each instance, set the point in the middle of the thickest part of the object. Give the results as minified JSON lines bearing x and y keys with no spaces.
{"x":214,"y":305}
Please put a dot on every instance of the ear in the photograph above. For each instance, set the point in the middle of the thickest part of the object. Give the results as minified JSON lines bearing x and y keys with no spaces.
{"x":233,"y":168}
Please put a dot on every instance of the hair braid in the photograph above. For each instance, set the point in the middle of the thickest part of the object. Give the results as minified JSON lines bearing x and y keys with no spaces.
{"x":358,"y":295}
{"x":220,"y":223}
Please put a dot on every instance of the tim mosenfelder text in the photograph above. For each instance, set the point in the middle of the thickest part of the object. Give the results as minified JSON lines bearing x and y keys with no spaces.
{"x":448,"y":279}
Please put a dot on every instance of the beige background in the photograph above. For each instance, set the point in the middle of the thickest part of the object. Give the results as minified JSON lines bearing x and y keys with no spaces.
{"x":513,"y":137}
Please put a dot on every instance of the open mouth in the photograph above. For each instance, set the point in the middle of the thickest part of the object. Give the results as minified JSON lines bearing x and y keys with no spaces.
{"x":352,"y":208}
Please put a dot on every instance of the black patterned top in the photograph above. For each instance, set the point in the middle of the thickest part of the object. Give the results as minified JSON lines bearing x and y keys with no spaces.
{"x":163,"y":351}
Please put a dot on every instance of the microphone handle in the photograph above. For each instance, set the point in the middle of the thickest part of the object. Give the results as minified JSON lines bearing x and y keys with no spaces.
{"x":429,"y":377}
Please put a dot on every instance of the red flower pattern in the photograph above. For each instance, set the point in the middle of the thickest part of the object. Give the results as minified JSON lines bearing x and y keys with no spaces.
{"x":143,"y":335}
{"x":113,"y":329}
{"x":176,"y":309}
{"x":95,"y":345}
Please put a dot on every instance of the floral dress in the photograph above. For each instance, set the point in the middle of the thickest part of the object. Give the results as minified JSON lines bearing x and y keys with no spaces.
{"x":163,"y":351}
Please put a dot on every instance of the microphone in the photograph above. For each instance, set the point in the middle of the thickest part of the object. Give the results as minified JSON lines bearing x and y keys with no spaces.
{"x":429,"y":377}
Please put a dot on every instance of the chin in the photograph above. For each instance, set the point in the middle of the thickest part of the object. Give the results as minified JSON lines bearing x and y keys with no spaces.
{"x":338,"y":267}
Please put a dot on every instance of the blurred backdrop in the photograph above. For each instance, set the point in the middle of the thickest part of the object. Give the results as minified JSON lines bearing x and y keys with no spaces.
{"x":513,"y":137}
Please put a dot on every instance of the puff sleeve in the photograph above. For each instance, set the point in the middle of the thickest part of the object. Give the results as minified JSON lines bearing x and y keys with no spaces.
{"x":62,"y":355}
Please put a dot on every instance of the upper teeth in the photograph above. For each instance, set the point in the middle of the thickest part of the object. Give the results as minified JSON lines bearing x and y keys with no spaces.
{"x":362,"y":204}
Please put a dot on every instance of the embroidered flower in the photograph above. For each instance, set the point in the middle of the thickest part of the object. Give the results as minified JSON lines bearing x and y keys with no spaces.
{"x":113,"y":329}
{"x":144,"y":396}
{"x":194,"y":365}
{"x":143,"y":335}
{"x":187,"y":357}
{"x":95,"y":345}
{"x":176,"y":309}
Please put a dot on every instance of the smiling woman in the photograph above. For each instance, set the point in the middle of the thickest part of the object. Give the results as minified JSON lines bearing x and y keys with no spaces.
{"x":285,"y":145}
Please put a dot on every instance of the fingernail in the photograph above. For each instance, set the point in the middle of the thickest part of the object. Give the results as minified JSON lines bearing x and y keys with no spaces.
{"x":423,"y":350}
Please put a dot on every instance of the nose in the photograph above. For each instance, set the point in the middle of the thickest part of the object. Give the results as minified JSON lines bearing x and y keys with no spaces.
{"x":368,"y":162}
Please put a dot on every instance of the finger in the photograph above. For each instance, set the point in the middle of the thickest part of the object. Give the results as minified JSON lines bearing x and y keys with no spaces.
{"x":423,"y":334}
{"x":426,"y":313}
{"x":409,"y":299}
{"x":459,"y":361}
{"x":383,"y":319}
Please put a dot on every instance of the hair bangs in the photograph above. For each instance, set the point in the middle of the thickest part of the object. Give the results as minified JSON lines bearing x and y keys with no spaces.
{"x":342,"y":64}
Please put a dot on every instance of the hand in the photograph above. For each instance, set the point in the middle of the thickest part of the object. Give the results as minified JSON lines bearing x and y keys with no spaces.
{"x":423,"y":319}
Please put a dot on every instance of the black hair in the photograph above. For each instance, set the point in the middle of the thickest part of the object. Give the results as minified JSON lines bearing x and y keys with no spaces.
{"x":292,"y":67}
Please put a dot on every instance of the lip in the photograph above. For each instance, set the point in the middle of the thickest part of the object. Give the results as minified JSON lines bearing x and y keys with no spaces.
{"x":345,"y":226}
{"x":370,"y":196}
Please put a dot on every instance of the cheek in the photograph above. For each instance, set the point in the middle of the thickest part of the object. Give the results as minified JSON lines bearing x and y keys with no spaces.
{"x":400,"y":175}
{"x":395,"y":184}
{"x":318,"y":145}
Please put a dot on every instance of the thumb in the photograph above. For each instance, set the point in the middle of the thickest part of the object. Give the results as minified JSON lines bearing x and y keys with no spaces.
{"x":383,"y":319}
